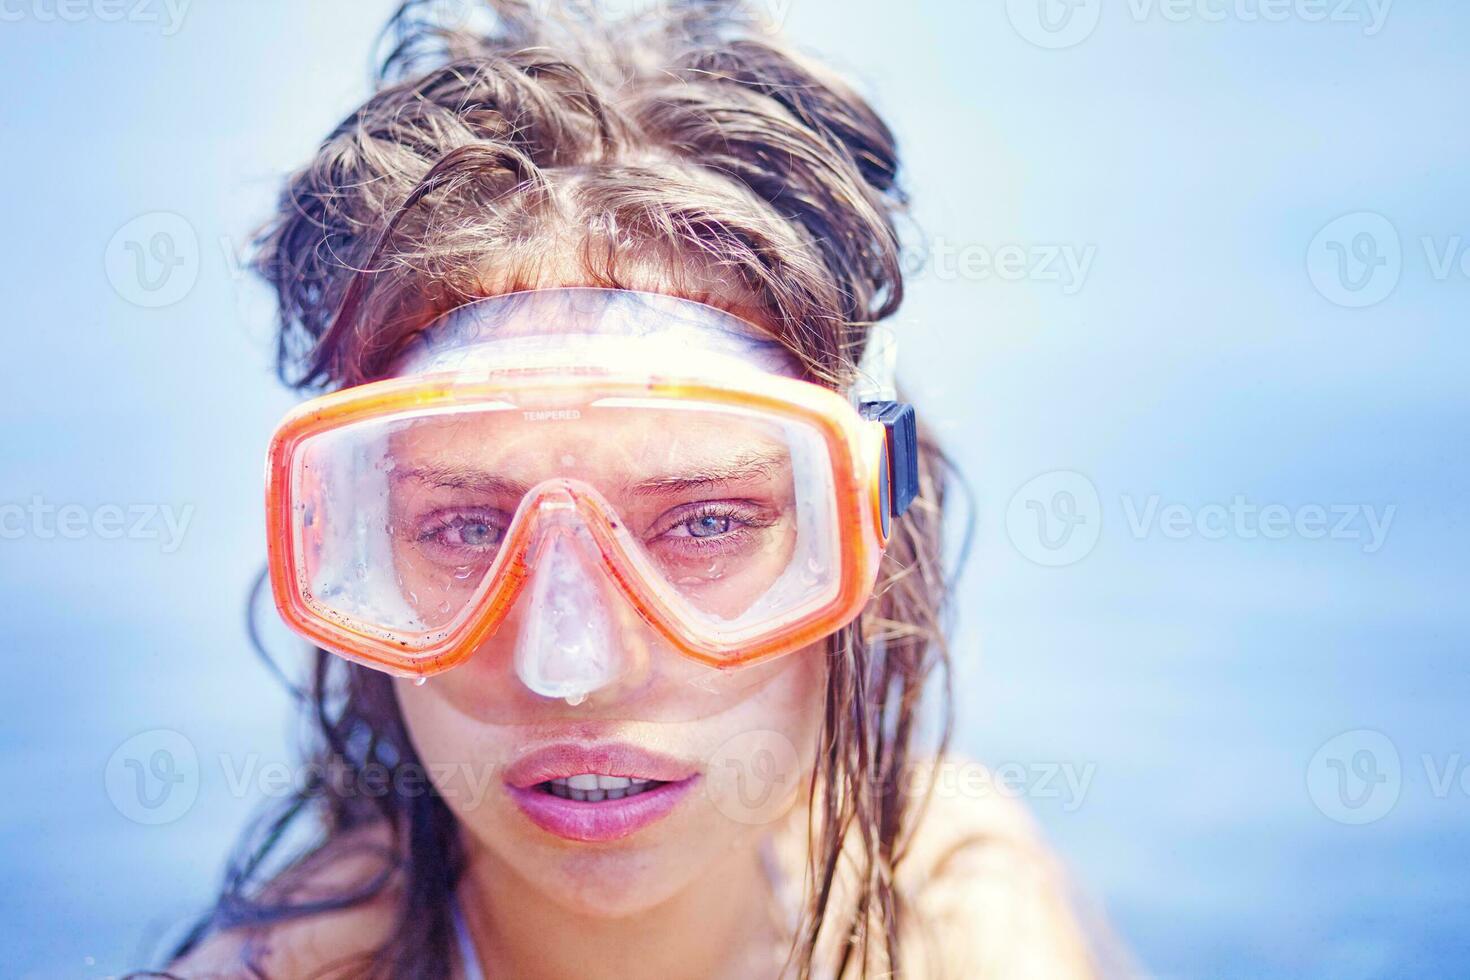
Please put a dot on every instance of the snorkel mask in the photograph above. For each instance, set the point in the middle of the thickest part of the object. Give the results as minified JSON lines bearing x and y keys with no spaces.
{"x":553,"y":474}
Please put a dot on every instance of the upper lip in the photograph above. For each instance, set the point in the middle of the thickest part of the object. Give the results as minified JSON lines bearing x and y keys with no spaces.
{"x":562,"y":759}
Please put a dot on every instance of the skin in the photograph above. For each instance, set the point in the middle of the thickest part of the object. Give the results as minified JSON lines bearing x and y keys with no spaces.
{"x":686,"y":896}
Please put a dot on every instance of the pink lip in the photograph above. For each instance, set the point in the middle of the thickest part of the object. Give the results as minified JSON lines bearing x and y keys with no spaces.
{"x":564,"y":759}
{"x":605,"y":820}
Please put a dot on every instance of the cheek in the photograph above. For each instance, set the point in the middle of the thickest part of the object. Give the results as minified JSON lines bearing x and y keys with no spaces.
{"x":465,"y":759}
{"x":760,"y":764}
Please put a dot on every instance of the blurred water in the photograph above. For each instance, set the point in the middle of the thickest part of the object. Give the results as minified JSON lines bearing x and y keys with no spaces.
{"x":1185,"y":166}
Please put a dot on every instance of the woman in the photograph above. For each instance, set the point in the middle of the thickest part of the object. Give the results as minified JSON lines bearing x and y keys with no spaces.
{"x":622,"y":563}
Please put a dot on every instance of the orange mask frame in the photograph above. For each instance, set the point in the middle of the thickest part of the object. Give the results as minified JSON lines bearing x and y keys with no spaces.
{"x":872,"y":452}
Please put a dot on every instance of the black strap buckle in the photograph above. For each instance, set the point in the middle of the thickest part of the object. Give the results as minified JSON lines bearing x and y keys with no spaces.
{"x":902,"y":443}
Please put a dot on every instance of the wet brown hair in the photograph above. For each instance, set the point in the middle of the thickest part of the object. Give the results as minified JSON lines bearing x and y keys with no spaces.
{"x":685,"y":145}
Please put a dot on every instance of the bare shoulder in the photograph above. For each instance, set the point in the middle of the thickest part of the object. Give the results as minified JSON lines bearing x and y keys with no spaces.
{"x":327,"y":943}
{"x":989,"y":898}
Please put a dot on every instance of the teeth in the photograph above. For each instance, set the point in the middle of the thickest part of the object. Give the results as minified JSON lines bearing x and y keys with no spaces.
{"x":594,"y":788}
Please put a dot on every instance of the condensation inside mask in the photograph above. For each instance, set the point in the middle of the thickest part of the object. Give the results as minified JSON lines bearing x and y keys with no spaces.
{"x":397,"y":507}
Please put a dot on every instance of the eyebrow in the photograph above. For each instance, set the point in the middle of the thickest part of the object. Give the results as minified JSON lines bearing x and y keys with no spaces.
{"x":748,"y":466}
{"x":459,"y":477}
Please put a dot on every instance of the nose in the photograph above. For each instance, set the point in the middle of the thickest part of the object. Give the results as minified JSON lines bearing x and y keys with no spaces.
{"x":570,"y":644}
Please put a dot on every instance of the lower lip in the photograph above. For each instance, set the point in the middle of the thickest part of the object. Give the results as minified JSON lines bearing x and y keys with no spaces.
{"x":605,"y":820}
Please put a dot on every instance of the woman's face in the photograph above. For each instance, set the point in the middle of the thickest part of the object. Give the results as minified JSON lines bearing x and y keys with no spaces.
{"x":613,"y":800}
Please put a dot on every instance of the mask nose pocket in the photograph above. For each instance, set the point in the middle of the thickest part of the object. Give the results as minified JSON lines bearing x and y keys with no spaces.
{"x":568,"y":646}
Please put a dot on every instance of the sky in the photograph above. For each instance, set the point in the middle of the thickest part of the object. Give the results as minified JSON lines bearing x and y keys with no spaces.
{"x":1192,"y":323}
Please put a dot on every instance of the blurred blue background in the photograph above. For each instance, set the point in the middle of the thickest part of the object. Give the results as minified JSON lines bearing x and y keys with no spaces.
{"x":1267,"y":718}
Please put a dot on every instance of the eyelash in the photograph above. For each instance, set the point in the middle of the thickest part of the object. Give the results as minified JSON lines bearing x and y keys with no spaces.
{"x":744,"y":519}
{"x":442,"y":521}
{"x":749,"y":519}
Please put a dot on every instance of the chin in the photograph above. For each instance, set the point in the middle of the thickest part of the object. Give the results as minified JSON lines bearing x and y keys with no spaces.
{"x":611,"y":879}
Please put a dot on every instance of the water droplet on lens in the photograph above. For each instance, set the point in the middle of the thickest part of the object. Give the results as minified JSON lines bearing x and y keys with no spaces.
{"x":463,"y":572}
{"x":575,"y":699}
{"x":419,"y":681}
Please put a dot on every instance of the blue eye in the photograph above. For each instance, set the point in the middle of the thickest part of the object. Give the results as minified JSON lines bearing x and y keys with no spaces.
{"x":698,"y":530}
{"x":708,"y":526}
{"x":474,"y":533}
{"x":462,"y":532}
{"x":709,"y":523}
